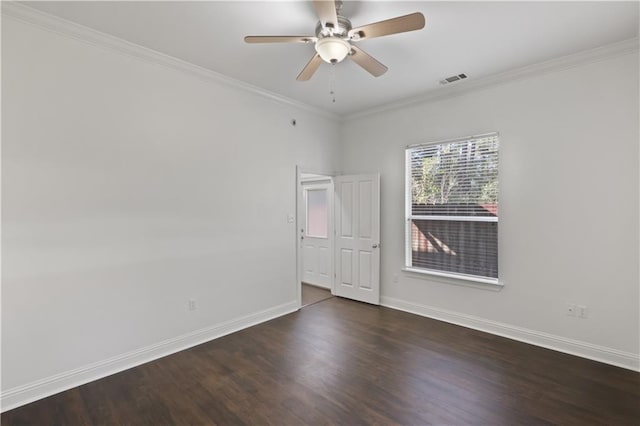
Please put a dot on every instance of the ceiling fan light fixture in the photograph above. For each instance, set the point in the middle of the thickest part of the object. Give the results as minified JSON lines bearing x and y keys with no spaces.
{"x":332,"y":49}
{"x":334,"y":36}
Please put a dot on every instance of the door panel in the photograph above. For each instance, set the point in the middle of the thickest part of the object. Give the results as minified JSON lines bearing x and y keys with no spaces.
{"x":346,"y":267}
{"x":308,"y":258}
{"x":346,"y":199}
{"x":365,"y":209}
{"x":365,"y":270}
{"x":357,"y":205}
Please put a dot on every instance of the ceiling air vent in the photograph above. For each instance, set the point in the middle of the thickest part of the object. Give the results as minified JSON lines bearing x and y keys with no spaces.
{"x":453,"y":78}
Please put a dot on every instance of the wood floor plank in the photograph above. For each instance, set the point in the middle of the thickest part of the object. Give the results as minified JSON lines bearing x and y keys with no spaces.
{"x":345,"y":362}
{"x":312,"y":294}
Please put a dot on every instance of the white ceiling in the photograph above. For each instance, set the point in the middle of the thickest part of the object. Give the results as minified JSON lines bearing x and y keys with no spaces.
{"x":476,"y":38}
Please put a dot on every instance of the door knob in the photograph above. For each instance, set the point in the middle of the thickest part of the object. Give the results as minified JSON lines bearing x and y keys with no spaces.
{"x":375,"y":246}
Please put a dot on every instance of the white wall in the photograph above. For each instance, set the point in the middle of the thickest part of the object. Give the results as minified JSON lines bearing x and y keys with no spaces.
{"x":568,"y":205}
{"x":130,"y":187}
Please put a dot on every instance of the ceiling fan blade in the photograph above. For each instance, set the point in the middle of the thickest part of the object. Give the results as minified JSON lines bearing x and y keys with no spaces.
{"x":309,"y":69}
{"x":326,"y":11}
{"x":401,"y":24}
{"x":367,"y":62}
{"x":279,"y":39}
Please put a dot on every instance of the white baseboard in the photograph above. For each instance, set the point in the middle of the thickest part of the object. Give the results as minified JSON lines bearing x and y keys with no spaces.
{"x":557,"y":343}
{"x":39,"y":389}
{"x":21,"y":395}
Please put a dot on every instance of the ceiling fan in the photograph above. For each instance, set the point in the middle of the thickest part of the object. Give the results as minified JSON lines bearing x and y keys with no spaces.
{"x":334,"y":38}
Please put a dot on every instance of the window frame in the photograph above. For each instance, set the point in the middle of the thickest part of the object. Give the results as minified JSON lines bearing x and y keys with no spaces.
{"x":409,"y":217}
{"x":317,"y":187}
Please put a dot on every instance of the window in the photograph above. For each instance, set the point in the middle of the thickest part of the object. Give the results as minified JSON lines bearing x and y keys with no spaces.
{"x":452,"y":208}
{"x":317,"y":213}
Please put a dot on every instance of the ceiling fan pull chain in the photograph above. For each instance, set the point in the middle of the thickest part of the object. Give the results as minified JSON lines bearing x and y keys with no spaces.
{"x":332,"y":81}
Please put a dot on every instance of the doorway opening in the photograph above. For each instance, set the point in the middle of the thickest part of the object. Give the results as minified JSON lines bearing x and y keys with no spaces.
{"x":316,"y":237}
{"x":338,"y":234}
{"x":312,"y":294}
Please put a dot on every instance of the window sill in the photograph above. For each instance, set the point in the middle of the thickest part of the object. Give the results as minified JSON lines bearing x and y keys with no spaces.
{"x":456,"y":278}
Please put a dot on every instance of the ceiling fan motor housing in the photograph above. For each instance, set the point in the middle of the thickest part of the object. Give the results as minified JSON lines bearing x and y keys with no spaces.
{"x":333,"y":45}
{"x":341,"y":30}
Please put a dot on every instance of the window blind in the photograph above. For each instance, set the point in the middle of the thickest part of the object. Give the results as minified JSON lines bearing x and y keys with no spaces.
{"x":452,"y":207}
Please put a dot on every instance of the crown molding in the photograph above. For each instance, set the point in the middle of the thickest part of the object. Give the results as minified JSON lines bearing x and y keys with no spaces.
{"x":29,"y":15}
{"x":597,"y":54}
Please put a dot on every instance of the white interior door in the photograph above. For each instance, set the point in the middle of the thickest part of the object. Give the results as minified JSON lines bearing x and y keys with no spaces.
{"x":317,"y":232}
{"x":357,"y":245}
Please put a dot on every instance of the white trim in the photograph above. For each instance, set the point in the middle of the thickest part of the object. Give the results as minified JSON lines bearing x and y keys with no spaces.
{"x":579,"y":348}
{"x":466,"y":277}
{"x":29,"y":15}
{"x":32,"y":16}
{"x":453,"y":218}
{"x":597,"y":54}
{"x":410,"y":217}
{"x":313,"y":180}
{"x":324,"y":185}
{"x":39,"y":389}
{"x":408,"y":207}
{"x":454,"y":140}
{"x":300,"y":216}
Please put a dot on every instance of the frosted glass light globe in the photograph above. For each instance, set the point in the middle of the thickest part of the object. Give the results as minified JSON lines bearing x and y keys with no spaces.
{"x":332,"y":49}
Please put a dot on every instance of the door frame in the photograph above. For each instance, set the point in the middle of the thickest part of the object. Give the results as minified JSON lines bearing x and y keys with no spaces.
{"x":300,"y":222}
{"x":310,"y":184}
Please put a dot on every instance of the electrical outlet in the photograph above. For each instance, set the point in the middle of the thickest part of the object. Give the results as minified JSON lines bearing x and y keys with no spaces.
{"x":583,"y":311}
{"x":192,"y":304}
{"x":571,"y":309}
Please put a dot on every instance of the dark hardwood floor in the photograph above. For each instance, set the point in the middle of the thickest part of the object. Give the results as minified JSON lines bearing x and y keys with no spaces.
{"x":344,"y":362}
{"x":312,"y":294}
